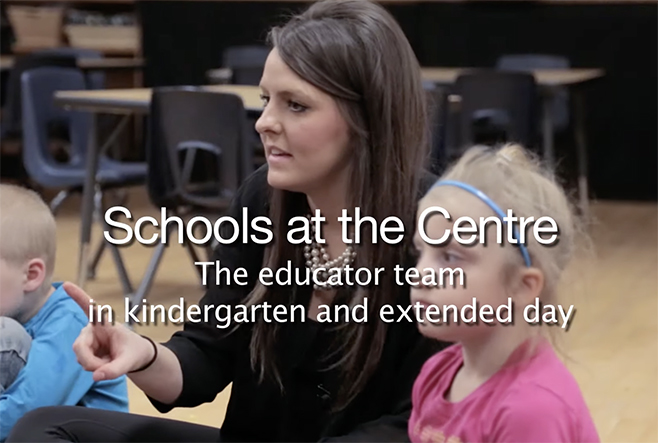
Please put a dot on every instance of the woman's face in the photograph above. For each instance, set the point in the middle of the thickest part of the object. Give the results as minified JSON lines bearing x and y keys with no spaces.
{"x":306,"y":139}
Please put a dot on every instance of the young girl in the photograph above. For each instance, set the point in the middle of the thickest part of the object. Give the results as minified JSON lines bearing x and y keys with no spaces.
{"x":500,"y":382}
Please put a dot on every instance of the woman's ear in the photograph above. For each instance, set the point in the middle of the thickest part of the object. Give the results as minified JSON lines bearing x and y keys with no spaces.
{"x":530,"y":285}
{"x":35,"y":274}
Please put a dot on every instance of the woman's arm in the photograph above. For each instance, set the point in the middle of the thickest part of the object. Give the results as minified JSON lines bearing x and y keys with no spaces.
{"x":163,"y":380}
{"x":197,"y":362}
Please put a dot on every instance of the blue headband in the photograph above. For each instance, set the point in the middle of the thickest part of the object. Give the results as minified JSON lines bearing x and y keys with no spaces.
{"x":482,"y":196}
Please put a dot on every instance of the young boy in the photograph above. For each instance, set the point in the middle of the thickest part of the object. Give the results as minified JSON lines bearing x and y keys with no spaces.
{"x":39,"y":320}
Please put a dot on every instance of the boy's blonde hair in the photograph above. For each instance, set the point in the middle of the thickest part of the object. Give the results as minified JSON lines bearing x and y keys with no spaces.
{"x":27,"y":229}
{"x":515,"y":179}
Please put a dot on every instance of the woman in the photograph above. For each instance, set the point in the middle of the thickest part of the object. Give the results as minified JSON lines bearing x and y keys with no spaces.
{"x":343,"y":126}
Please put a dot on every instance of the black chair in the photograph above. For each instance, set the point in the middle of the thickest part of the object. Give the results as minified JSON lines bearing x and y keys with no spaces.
{"x":198,"y":155}
{"x":437,"y":104}
{"x":12,"y":110}
{"x":246,"y":63}
{"x":498,"y":107}
{"x":527,"y":63}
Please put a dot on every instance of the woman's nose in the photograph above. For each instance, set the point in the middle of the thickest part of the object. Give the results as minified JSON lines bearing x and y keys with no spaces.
{"x":267,"y":122}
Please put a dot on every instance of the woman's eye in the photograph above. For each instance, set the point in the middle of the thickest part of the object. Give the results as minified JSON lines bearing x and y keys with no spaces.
{"x":296,"y":107}
{"x":264,"y":99}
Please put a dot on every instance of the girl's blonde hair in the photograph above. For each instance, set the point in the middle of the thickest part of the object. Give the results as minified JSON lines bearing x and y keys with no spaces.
{"x":515,"y":179}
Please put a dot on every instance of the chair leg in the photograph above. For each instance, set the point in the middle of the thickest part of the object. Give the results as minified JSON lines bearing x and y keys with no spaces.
{"x":193,"y":253}
{"x":98,"y":215}
{"x":210,"y":250}
{"x":139,"y":296}
{"x":121,"y":269}
{"x":98,"y":204}
{"x":91,"y":273}
{"x":195,"y":257}
{"x":581,"y":150}
{"x":122,"y":198}
{"x":145,"y":285}
{"x":116,"y":255}
{"x":56,"y":202}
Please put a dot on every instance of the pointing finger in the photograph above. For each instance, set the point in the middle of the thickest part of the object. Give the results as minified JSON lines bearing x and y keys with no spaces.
{"x":79,"y":296}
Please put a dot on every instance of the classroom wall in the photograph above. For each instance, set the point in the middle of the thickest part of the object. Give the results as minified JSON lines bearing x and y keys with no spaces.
{"x":183,"y":39}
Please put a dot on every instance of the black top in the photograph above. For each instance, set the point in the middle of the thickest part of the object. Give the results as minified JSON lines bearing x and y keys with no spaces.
{"x":211,"y":359}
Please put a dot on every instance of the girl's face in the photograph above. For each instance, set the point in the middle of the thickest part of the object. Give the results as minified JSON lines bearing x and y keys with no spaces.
{"x":485,"y":268}
{"x":306,"y":139}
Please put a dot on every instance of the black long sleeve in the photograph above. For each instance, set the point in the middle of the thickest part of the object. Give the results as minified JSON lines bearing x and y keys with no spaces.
{"x":211,"y":359}
{"x":207,"y":354}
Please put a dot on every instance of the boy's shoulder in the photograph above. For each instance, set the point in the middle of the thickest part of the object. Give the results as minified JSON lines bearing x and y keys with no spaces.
{"x":59,"y":309}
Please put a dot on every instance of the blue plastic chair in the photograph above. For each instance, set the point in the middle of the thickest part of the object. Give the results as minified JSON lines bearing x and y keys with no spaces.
{"x":12,"y":125}
{"x":529,"y":62}
{"x":40,"y":114}
{"x":95,"y":79}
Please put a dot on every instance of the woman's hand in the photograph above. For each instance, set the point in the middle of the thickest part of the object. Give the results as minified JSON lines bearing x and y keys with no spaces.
{"x":107,"y":350}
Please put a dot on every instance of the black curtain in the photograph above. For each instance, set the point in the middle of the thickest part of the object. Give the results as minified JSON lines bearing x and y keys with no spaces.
{"x":183,"y":39}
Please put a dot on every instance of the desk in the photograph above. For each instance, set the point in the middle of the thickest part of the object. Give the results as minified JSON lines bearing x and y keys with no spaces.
{"x":128,"y":101}
{"x":544,"y":77}
{"x":123,"y":102}
{"x":445,"y":76}
{"x":87,"y":64}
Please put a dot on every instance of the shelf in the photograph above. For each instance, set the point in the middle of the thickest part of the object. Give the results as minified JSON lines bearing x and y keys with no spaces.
{"x":107,"y":51}
{"x":72,"y":2}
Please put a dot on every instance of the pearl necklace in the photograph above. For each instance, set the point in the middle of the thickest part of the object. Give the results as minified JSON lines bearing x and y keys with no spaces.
{"x":317,"y":257}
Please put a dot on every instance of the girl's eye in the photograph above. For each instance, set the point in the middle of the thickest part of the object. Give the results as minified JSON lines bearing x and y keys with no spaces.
{"x":296,"y":107}
{"x":264,"y":99}
{"x":450,"y":257}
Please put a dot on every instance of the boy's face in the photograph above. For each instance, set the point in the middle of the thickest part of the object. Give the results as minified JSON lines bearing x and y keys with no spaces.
{"x":12,"y":281}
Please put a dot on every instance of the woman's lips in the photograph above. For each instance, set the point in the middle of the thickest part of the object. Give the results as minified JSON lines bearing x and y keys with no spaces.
{"x":277,"y":155}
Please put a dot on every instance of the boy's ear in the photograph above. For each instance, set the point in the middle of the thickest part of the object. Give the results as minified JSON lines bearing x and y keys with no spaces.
{"x":35,"y":274}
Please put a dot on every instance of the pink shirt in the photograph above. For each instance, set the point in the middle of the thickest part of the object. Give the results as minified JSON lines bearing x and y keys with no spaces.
{"x":535,"y":401}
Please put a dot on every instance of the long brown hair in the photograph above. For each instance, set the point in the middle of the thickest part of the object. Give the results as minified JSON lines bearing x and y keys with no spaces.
{"x":354,"y":51}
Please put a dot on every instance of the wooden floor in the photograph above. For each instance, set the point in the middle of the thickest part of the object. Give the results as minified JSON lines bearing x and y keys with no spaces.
{"x":612,"y":346}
